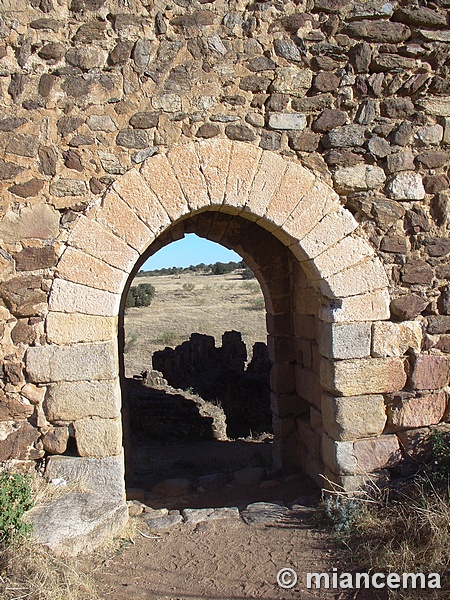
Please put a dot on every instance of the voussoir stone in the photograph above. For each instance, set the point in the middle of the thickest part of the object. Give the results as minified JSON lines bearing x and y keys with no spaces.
{"x":351,"y":418}
{"x":72,"y":363}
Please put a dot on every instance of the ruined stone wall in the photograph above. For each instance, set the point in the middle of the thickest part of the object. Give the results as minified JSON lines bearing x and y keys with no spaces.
{"x":356,"y":92}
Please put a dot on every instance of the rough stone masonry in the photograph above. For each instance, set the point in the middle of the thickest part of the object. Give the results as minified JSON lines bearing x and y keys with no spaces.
{"x":309,"y":135}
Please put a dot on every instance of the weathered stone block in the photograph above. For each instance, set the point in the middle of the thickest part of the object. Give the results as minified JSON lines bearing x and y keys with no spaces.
{"x":23,"y":295}
{"x":214,"y":158}
{"x":70,"y":328}
{"x":69,"y":401}
{"x":430,"y":372}
{"x":345,"y":253}
{"x":396,"y":339}
{"x":32,"y":259}
{"x":98,"y":438}
{"x":362,"y":456}
{"x":331,"y":229}
{"x":373,"y":306}
{"x":293,"y":81}
{"x":291,"y":121}
{"x":294,"y":186}
{"x":55,"y":440}
{"x":358,"y":178}
{"x":406,"y":186}
{"x":69,"y":297}
{"x":354,"y":417}
{"x":366,"y":276}
{"x":244,"y":162}
{"x":344,"y":340}
{"x":72,"y":363}
{"x":268,"y":177}
{"x":186,"y":166}
{"x":363,"y":376}
{"x":78,"y":267}
{"x":424,"y":410}
{"x":37,"y":221}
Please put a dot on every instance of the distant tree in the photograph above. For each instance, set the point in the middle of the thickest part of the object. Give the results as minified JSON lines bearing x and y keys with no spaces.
{"x":247,"y":273}
{"x":140,"y":295}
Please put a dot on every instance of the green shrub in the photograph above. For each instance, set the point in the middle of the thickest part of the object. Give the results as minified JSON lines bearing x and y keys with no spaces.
{"x":247,"y":273}
{"x":140,"y":295}
{"x":168,"y":338}
{"x":15,"y":500}
{"x":439,"y":469}
{"x":256,"y":304}
{"x":188,"y":287}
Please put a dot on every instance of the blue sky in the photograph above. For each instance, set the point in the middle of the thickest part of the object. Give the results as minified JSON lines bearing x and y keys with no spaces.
{"x":191,"y":250}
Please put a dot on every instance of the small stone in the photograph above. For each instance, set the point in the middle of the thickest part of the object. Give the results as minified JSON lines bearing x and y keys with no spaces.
{"x":163,"y":522}
{"x":66,"y":125}
{"x":51,"y":24}
{"x":11,"y":123}
{"x":431,"y":135}
{"x":346,"y":158}
{"x":348,"y":135}
{"x":313,"y":104}
{"x":90,"y":32}
{"x":397,"y":108}
{"x":72,"y":161}
{"x":420,"y":16}
{"x":331,"y":5}
{"x":255,"y":119}
{"x":429,"y":372}
{"x":434,"y":159}
{"x":406,"y":185}
{"x":167,"y":102}
{"x":293,"y":81}
{"x":439,"y":107}
{"x":132,"y":138}
{"x":295,"y":121}
{"x":379,"y":147}
{"x":306,"y":141}
{"x":192,"y":516}
{"x":55,"y":440}
{"x":121,"y":52}
{"x":358,"y":178}
{"x":144,"y":120}
{"x":270,"y":140}
{"x":23,"y":295}
{"x":435,"y":184}
{"x":404,"y":134}
{"x":208,"y":130}
{"x":394,"y":243}
{"x":367,"y":112}
{"x":437,"y":246}
{"x":111,"y":163}
{"x":68,"y":187}
{"x":31,"y":259}
{"x":401,"y":161}
{"x":409,"y":307}
{"x":87,"y":57}
{"x":27,"y":190}
{"x":361,"y":56}
{"x":101,"y":123}
{"x":255,"y":83}
{"x":142,"y":155}
{"x":22,"y":333}
{"x":438,"y":324}
{"x":264,"y":513}
{"x":329,"y":119}
{"x":396,"y":339}
{"x":287,"y":49}
{"x":417,"y":271}
{"x":261,"y":63}
{"x":378,"y":31}
{"x":81,"y":140}
{"x":23,"y":144}
{"x":240,"y":132}
{"x":326,"y":81}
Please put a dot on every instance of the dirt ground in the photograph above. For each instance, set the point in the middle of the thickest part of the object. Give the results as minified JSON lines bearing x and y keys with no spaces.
{"x":188,"y":303}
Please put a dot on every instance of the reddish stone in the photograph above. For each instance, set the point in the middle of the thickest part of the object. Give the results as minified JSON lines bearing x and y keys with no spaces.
{"x":19,"y":444}
{"x":394,"y":243}
{"x":47,"y":158}
{"x":435,"y":184}
{"x":343,"y":158}
{"x":304,"y":141}
{"x":432,"y":159}
{"x":438,"y":324}
{"x":361,"y":56}
{"x":22,"y":333}
{"x":22,"y":294}
{"x":72,"y":161}
{"x":429,"y":372}
{"x":421,"y":411}
{"x":27,"y":190}
{"x":417,"y":272}
{"x":438,"y":246}
{"x":409,"y":307}
{"x":96,"y":186}
{"x":329,"y":119}
{"x":326,"y":81}
{"x":11,"y":409}
{"x":443,"y":344}
{"x":13,"y":372}
{"x":31,"y":259}
{"x":397,"y":108}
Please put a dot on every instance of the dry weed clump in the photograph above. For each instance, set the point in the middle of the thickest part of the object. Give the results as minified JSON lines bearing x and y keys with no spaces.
{"x":401,"y":529}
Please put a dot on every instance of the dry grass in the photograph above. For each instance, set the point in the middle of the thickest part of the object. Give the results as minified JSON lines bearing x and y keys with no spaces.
{"x":188,"y":303}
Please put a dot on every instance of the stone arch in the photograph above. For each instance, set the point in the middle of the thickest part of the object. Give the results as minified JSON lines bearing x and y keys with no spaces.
{"x":323,"y":308}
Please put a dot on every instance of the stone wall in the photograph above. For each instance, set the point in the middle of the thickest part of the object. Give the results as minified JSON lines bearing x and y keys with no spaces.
{"x":106,"y":106}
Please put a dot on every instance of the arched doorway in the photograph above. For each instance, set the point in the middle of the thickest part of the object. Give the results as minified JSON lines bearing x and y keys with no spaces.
{"x":322,"y":283}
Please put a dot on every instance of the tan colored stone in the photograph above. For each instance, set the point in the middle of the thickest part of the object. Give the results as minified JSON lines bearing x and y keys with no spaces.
{"x":422,"y":411}
{"x":361,"y":456}
{"x":372,"y":306}
{"x":92,"y":238}
{"x":185,"y":164}
{"x":39,"y":221}
{"x":69,"y":401}
{"x":345,"y":253}
{"x":46,"y":364}
{"x":396,"y":339}
{"x":328,"y":231}
{"x":33,"y":393}
{"x":55,"y":440}
{"x":367,"y":276}
{"x":244,"y":162}
{"x":116,"y":215}
{"x":70,"y":328}
{"x":78,"y":267}
{"x":69,"y":297}
{"x":363,"y":376}
{"x":436,"y":106}
{"x":98,"y":437}
{"x":315,"y":204}
{"x":160,"y":178}
{"x":267,"y":179}
{"x":354,"y":417}
{"x":295,"y":184}
{"x":214,"y":158}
